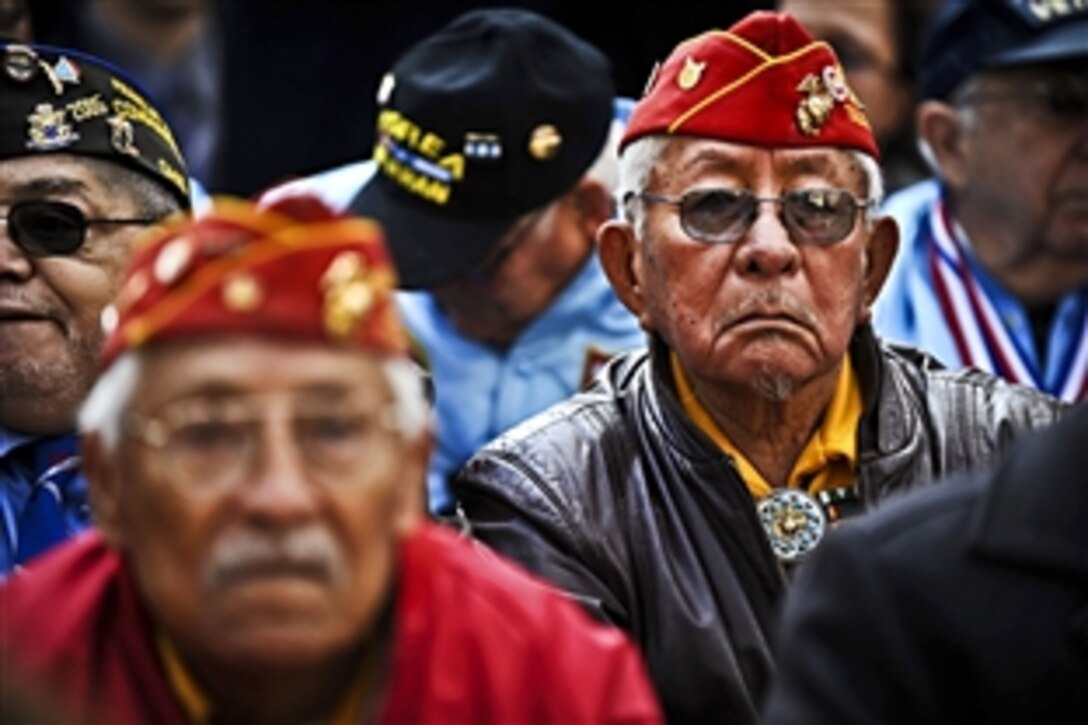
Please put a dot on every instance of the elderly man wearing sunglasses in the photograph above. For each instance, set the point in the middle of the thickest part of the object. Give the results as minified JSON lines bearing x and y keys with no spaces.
{"x":86,"y":163}
{"x":675,"y":496}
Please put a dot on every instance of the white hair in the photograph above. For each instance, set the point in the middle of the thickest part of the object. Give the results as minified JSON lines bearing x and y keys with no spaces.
{"x":413,"y":406}
{"x":639,"y":159}
{"x":103,"y":411}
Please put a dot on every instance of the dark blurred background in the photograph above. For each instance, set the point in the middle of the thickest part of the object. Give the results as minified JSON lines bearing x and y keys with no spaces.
{"x":287,"y":86}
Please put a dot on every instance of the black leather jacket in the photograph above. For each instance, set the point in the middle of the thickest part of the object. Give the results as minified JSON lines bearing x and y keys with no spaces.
{"x":615,"y":496}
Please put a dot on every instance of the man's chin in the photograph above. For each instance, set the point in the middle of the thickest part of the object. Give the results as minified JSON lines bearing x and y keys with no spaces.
{"x":775,"y":386}
{"x":39,"y":396}
{"x":281,"y":637}
{"x":282,"y":648}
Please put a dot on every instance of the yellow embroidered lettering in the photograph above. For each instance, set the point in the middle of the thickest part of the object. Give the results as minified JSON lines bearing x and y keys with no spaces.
{"x":1047,"y":10}
{"x":174,"y":175}
{"x":386,"y":119}
{"x":455,"y":164}
{"x":431,"y":145}
{"x":83,"y":109}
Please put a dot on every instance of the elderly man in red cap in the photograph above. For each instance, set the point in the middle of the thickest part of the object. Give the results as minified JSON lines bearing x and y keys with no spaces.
{"x":255,"y":448}
{"x":674,"y":496}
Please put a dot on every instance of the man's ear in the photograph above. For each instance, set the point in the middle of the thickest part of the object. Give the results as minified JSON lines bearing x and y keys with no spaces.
{"x":621,"y":259}
{"x":410,"y":507}
{"x":942,"y":130}
{"x":879,"y":255}
{"x":98,"y":468}
{"x":594,"y":203}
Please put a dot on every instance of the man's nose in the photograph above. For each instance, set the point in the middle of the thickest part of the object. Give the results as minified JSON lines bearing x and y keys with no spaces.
{"x":14,"y":262}
{"x":766,"y":249}
{"x":282,"y":491}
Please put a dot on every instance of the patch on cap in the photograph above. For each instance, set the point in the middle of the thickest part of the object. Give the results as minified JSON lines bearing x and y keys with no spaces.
{"x":61,"y":100}
{"x":417,"y":159}
{"x":766,"y":81}
{"x":690,"y":75}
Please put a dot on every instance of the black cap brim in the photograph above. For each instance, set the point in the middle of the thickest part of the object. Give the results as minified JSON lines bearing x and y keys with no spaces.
{"x":428,"y":245}
{"x":1064,"y":42}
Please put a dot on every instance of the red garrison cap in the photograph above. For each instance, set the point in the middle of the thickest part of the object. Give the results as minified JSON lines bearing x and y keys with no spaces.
{"x":293,"y":270}
{"x":766,"y":81}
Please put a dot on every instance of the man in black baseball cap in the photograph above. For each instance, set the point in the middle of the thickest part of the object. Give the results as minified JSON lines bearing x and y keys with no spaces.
{"x":493,"y":166}
{"x":487,"y":120}
{"x":86,"y":164}
{"x":993,"y":271}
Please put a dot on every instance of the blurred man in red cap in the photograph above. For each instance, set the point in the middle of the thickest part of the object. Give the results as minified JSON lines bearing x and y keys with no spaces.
{"x":256,"y":447}
{"x":673,"y":497}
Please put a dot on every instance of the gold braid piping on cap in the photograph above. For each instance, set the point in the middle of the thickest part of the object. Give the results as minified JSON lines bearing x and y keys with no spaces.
{"x":769,"y":61}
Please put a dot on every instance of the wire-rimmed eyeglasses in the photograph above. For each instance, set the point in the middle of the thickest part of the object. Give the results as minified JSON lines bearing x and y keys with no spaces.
{"x":722,"y":216}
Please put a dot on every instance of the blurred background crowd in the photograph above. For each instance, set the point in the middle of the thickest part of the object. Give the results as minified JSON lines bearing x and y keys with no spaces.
{"x":238,"y":77}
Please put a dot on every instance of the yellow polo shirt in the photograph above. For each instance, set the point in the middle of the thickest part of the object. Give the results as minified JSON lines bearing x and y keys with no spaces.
{"x":828,"y":460}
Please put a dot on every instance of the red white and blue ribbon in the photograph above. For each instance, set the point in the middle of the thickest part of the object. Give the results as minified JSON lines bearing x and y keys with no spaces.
{"x":980,"y":336}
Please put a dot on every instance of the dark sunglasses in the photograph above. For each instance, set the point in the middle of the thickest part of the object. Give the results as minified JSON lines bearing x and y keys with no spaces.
{"x":1063,"y":98}
{"x":52,"y":228}
{"x":722,"y":216}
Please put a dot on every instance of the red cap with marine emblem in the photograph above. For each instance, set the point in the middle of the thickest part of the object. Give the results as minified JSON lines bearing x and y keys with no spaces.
{"x":766,"y":81}
{"x":292,"y":270}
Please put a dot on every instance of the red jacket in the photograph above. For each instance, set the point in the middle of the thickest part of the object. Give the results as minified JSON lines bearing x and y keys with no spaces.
{"x":476,"y":640}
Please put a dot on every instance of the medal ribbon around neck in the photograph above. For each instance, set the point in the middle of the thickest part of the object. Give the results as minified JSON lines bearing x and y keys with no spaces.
{"x":978,"y":332}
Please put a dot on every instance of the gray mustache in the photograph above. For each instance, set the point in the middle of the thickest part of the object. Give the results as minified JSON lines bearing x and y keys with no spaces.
{"x":772,"y":300}
{"x":309,"y":552}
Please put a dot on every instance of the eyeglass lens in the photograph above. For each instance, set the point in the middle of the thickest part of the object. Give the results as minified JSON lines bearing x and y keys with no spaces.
{"x":216,"y":446}
{"x":815,"y":216}
{"x":46,"y":228}
{"x":1060,"y":99}
{"x":51,"y":228}
{"x":1065,"y":98}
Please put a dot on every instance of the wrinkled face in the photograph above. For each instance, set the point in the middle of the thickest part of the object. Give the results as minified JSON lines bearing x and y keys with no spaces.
{"x":865,"y":42}
{"x":763,"y":310}
{"x":50,"y":306}
{"x":521,"y":277}
{"x":1024,"y":190}
{"x":262,"y":523}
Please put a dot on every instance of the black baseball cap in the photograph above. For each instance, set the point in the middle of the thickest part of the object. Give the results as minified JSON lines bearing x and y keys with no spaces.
{"x":494,"y":115}
{"x":967,"y":36}
{"x":60,"y":100}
